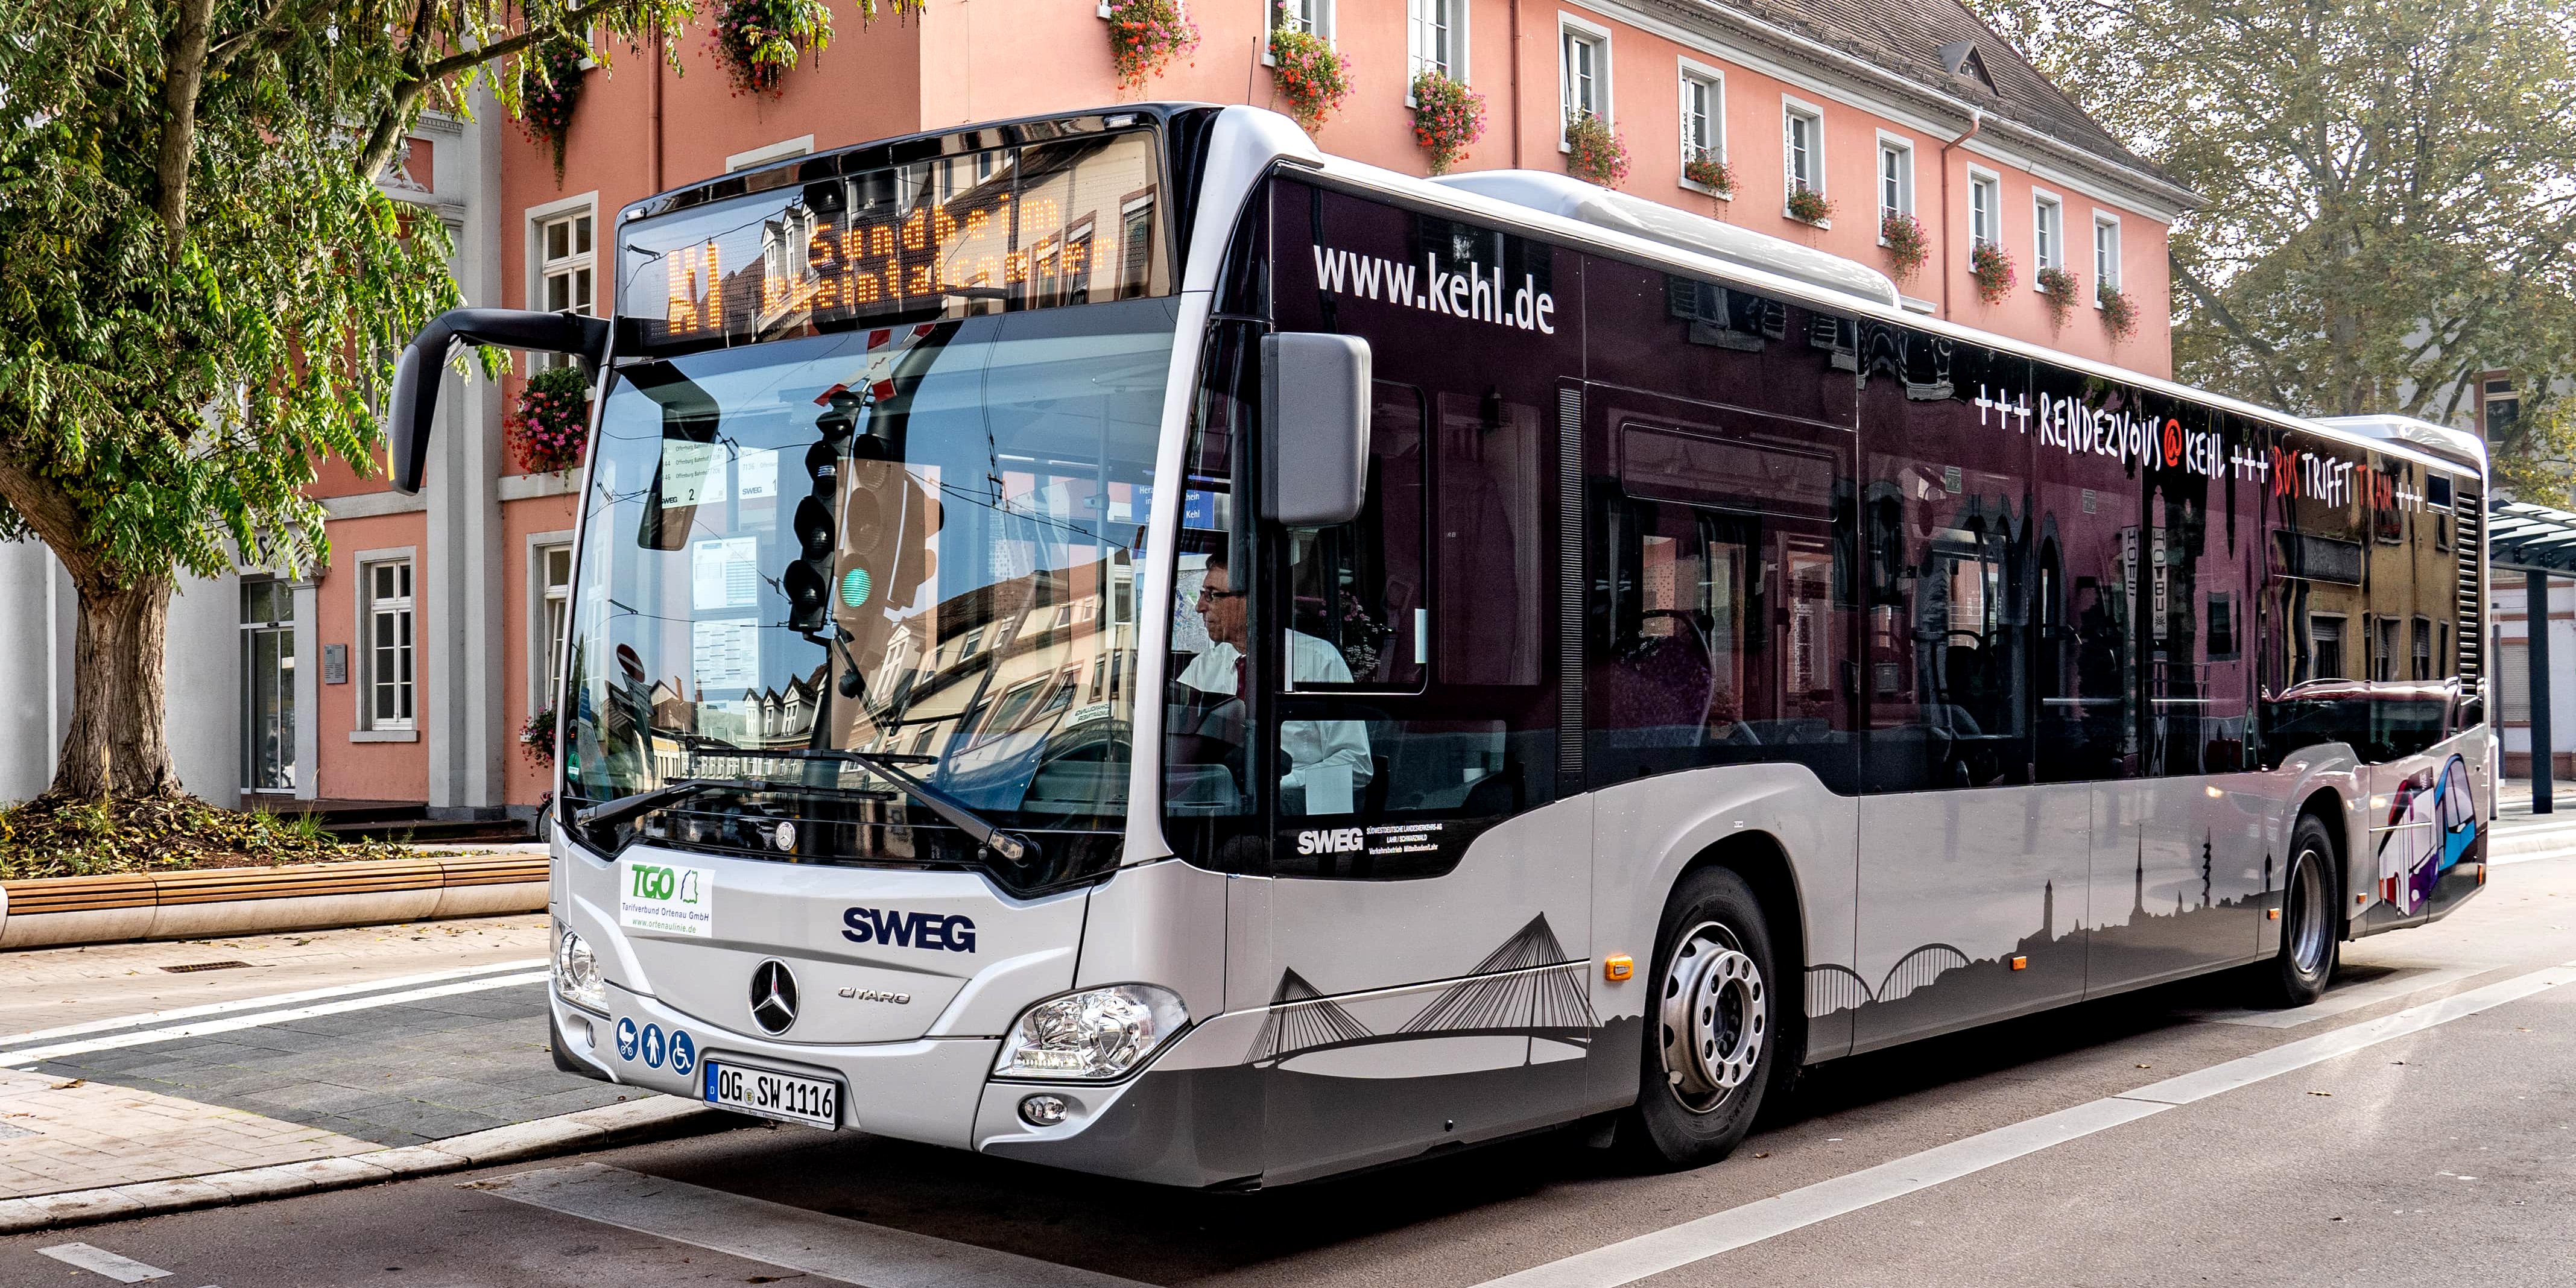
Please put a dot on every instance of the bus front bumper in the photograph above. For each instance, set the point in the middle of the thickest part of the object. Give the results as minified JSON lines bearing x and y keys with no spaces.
{"x":923,"y":1090}
{"x":1187,"y":1119}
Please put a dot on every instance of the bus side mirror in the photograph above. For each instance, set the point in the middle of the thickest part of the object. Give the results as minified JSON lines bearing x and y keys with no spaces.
{"x":1315,"y":422}
{"x":417,"y":372}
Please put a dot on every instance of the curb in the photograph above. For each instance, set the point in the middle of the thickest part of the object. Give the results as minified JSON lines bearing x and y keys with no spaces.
{"x":54,"y":912}
{"x":620,"y":1124}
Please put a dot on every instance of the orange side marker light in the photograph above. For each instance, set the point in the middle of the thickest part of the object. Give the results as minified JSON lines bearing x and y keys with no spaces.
{"x":2020,"y":963}
{"x":1618,"y":966}
{"x":2274,"y":914}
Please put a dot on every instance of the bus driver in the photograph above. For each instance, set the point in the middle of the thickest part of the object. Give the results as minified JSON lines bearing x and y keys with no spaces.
{"x":1328,"y":760}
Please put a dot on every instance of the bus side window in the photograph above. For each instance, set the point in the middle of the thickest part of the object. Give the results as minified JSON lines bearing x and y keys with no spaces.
{"x":1488,"y":536}
{"x":1946,"y":509}
{"x":1358,"y":618}
{"x":1358,"y":588}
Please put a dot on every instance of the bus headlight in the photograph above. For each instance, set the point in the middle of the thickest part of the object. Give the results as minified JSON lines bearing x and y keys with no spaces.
{"x":577,"y":974}
{"x":1095,"y":1034}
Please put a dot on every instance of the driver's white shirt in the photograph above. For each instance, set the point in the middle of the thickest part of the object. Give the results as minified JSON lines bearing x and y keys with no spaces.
{"x":1318,"y":751}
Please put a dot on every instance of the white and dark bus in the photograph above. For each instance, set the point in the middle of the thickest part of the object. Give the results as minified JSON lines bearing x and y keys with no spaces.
{"x":1122,"y":641}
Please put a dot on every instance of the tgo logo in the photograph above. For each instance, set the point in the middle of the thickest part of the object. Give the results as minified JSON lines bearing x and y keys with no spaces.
{"x":666,"y":883}
{"x":908,"y":929}
{"x":1336,"y":840}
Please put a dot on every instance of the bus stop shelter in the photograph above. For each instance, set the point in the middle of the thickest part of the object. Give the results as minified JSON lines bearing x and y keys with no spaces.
{"x":2539,"y":543}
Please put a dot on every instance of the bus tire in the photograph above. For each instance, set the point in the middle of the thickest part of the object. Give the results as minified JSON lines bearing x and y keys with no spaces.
{"x":2311,"y":948}
{"x":1712,"y":1024}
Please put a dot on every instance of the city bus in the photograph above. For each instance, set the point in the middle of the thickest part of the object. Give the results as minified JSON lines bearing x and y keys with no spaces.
{"x":1123,"y":641}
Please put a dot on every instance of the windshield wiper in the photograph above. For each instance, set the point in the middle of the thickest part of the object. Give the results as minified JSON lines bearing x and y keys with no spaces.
{"x":956,"y":813}
{"x":610,"y":813}
{"x":1010,"y":845}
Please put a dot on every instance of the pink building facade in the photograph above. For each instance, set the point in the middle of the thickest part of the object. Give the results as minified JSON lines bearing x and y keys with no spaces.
{"x":430,"y":640}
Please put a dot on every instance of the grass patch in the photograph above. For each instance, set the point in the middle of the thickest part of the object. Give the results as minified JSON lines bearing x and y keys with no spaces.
{"x":54,"y":836}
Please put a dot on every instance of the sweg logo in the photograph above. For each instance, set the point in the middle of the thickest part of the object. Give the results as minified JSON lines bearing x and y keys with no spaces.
{"x":908,"y":929}
{"x":1336,"y":840}
{"x":1467,"y":293}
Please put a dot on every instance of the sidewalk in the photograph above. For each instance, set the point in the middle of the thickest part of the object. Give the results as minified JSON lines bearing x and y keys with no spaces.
{"x":134,"y":1063}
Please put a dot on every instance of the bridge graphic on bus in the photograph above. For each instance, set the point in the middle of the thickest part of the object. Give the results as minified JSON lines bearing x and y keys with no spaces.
{"x":1525,"y":988}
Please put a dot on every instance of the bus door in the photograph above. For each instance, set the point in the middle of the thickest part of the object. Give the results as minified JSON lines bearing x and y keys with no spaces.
{"x":1430,"y":923}
{"x":2183,"y":867}
{"x":1429,"y":907}
{"x":1973,"y":844}
{"x":1718,"y":692}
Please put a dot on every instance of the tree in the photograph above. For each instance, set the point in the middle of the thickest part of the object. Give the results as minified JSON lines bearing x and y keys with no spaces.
{"x":2390,"y":185}
{"x":202,"y":288}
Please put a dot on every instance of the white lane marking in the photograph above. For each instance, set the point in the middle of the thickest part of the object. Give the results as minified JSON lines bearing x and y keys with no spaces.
{"x":1630,"y":1260}
{"x":231,"y":1023}
{"x":100,"y":1261}
{"x":2534,"y":856}
{"x":273,"y":999}
{"x":2338,"y":1001}
{"x":758,"y":1230}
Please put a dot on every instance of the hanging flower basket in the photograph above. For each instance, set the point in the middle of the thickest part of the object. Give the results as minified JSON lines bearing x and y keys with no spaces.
{"x":1808,"y":206}
{"x":2058,"y":287}
{"x":1145,"y":36}
{"x":1991,"y":268}
{"x":1447,"y":116}
{"x":549,"y":89}
{"x":1312,"y":76}
{"x":537,"y":737}
{"x":1594,"y":152}
{"x":1903,"y":238}
{"x":552,"y":421}
{"x":2119,"y":312}
{"x":758,"y":41}
{"x":1710,"y":173}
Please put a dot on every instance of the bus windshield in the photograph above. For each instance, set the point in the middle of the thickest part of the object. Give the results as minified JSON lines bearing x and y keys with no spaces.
{"x":918,"y":542}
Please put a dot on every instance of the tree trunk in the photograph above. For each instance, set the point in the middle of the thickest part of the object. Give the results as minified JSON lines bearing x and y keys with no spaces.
{"x":119,"y":743}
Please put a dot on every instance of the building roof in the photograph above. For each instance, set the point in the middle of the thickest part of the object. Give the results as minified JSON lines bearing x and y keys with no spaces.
{"x":1943,"y":47}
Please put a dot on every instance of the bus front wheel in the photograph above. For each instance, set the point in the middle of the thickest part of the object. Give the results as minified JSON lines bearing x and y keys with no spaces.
{"x":2310,"y":944}
{"x":1712,"y":1024}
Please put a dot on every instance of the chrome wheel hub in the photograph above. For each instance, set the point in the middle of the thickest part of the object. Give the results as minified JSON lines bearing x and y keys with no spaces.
{"x":1713,"y":1016}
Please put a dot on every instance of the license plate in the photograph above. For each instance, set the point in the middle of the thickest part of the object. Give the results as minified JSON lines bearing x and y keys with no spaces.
{"x":788,"y":1097}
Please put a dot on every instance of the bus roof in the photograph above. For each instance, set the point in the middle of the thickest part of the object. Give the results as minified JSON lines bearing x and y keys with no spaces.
{"x":1544,"y":205}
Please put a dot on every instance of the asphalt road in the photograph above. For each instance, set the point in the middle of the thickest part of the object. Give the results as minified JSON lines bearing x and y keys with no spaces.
{"x":2417,"y":1127}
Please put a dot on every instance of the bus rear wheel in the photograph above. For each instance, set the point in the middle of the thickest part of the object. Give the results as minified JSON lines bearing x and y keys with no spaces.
{"x":2310,"y":946}
{"x":1712,"y":1023}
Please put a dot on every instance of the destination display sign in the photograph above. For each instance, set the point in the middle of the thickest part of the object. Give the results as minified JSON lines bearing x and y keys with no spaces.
{"x":1039,"y":225}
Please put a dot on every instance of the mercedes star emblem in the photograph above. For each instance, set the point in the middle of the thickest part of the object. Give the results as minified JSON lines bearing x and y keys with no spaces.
{"x":773,"y":996}
{"x":785,"y":837}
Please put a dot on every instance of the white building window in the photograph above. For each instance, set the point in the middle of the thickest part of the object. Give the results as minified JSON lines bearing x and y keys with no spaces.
{"x":1895,"y":177}
{"x":768,"y":152}
{"x":1437,"y":33}
{"x":1703,"y":115}
{"x":2502,"y":404}
{"x":554,"y":615}
{"x":1314,"y":17}
{"x":1135,"y":247}
{"x":388,"y":617}
{"x":2047,"y":233}
{"x":2106,"y":254}
{"x":1583,"y":72}
{"x":1985,"y":210}
{"x":567,"y":272}
{"x":1803,"y":146}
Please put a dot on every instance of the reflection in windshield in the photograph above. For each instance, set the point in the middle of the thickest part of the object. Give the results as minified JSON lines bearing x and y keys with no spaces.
{"x":918,"y":541}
